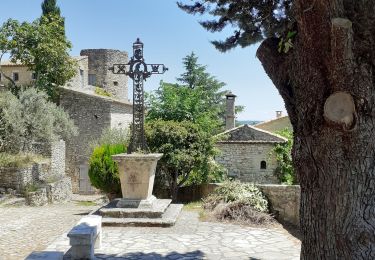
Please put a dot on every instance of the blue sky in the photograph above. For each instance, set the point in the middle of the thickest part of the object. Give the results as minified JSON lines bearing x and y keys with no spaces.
{"x":168,"y":35}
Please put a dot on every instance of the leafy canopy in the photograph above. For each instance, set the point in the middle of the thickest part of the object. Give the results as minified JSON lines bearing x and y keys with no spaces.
{"x":198,"y":98}
{"x":186,"y":149}
{"x":50,"y":7}
{"x":42,"y":47}
{"x":252,"y":20}
{"x":31,"y":118}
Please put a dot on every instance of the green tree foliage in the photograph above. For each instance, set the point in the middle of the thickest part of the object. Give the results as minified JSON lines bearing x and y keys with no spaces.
{"x":31,"y":118}
{"x":103,"y":171}
{"x":186,"y":148}
{"x":283,"y":154}
{"x":198,"y":98}
{"x":252,"y":21}
{"x":50,"y":7}
{"x":179,"y":103}
{"x":43,"y":48}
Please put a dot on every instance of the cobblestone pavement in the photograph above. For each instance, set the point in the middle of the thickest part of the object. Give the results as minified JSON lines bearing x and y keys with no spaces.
{"x":192,"y":239}
{"x":26,"y":229}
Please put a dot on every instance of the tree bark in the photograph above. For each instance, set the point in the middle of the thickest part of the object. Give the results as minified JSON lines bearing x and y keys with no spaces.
{"x":334,"y":51}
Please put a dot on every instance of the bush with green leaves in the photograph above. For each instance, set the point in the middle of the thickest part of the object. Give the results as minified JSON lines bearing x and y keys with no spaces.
{"x":103,"y":171}
{"x":111,"y":136}
{"x":235,"y":191}
{"x":186,"y":149}
{"x":283,"y":152}
{"x":31,"y":118}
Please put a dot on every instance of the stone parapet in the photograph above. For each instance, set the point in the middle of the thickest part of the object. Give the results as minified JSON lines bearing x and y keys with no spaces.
{"x":284,"y":201}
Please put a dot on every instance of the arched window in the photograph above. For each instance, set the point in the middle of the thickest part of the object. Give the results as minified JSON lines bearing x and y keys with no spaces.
{"x":263,"y":165}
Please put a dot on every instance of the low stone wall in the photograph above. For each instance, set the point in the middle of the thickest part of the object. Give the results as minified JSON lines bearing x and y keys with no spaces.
{"x":59,"y":191}
{"x":284,"y":201}
{"x":16,"y":178}
{"x":196,"y":192}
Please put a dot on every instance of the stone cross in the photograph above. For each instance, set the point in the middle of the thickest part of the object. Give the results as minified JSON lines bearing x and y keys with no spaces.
{"x":138,"y":71}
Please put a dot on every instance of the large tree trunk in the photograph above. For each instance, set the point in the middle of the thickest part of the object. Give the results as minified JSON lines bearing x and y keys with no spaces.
{"x":327,"y":82}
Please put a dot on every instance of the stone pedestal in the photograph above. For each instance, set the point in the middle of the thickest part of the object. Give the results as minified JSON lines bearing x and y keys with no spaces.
{"x":137,"y":174}
{"x":138,"y":207}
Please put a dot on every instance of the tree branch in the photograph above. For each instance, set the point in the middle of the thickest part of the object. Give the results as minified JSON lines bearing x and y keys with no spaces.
{"x":277,"y":67}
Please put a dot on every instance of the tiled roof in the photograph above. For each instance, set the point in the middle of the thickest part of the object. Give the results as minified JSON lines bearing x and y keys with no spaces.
{"x":250,"y":134}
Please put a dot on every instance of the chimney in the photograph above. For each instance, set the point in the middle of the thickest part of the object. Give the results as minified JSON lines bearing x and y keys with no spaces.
{"x":230,"y":113}
{"x":279,"y":114}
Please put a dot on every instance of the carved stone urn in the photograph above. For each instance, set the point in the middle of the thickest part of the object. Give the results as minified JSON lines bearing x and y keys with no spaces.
{"x":137,"y":174}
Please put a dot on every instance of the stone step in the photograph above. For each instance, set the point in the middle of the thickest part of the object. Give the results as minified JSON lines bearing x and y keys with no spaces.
{"x":156,"y":211}
{"x":168,"y":219}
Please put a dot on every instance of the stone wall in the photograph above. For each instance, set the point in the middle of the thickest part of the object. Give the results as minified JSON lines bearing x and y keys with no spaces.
{"x":100,"y":60}
{"x":16,"y":178}
{"x":91,"y":115}
{"x":56,"y":192}
{"x":284,"y":201}
{"x":121,"y":115}
{"x":243,"y":161}
{"x":56,"y":154}
{"x":25,"y":75}
{"x":80,"y":81}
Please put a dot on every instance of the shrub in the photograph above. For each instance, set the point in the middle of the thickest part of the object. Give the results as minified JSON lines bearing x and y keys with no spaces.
{"x":111,"y":136}
{"x":241,"y":213}
{"x":235,"y":191}
{"x":240,"y":202}
{"x":102,"y":92}
{"x":18,"y":160}
{"x":103,"y":171}
{"x":31,"y":118}
{"x":283,"y":152}
{"x":186,"y":148}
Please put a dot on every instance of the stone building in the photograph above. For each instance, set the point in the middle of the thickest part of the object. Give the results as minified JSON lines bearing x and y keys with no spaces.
{"x":92,"y":113}
{"x":279,"y":123}
{"x":18,"y":72}
{"x":246,"y":152}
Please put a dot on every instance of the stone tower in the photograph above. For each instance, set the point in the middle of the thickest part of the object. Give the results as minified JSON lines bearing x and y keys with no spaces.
{"x":230,"y":111}
{"x":99,"y":61}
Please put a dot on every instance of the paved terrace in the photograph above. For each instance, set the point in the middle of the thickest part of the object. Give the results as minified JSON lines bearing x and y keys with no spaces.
{"x":190,"y":239}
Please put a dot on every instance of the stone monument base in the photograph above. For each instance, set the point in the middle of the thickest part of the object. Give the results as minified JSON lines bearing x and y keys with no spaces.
{"x":133,"y":203}
{"x":160,"y":213}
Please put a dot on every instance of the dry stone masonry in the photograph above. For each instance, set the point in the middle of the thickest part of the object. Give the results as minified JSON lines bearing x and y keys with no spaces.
{"x":246,"y":152}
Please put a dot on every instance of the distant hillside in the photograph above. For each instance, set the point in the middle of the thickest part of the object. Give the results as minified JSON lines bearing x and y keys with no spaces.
{"x":247,"y":122}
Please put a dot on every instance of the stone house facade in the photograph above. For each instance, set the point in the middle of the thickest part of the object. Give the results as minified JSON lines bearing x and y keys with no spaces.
{"x":277,"y":124}
{"x":91,"y":113}
{"x":246,"y":152}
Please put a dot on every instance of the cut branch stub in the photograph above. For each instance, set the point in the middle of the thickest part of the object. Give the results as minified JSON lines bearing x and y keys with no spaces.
{"x":339,"y":110}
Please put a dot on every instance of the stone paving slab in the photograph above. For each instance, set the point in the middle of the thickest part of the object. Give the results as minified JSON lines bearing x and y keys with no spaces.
{"x":156,"y":211}
{"x":192,"y":239}
{"x":25,"y":229}
{"x":166,"y":220}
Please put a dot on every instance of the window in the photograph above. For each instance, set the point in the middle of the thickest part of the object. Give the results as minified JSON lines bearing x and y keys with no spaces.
{"x":82,"y":79}
{"x":115,"y":83}
{"x":16,"y":76}
{"x":0,"y":77}
{"x":92,"y":79}
{"x":263,"y":165}
{"x":33,"y":76}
